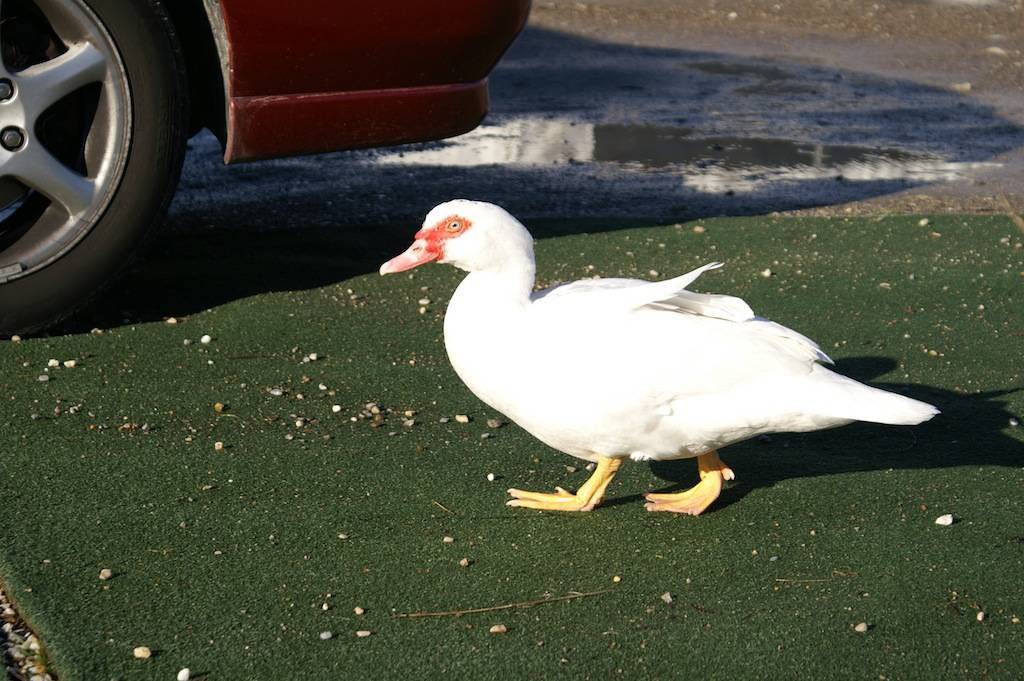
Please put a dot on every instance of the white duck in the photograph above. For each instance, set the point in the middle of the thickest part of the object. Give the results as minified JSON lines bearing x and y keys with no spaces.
{"x":609,"y":369}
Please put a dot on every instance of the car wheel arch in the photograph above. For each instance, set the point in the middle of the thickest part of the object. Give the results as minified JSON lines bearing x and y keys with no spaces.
{"x":199,"y":26}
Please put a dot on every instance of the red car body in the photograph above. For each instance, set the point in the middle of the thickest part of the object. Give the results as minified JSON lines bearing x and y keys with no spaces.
{"x":311,"y":76}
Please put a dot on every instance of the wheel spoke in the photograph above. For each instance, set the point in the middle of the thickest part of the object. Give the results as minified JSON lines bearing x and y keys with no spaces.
{"x":48,"y":82}
{"x":40,"y":170}
{"x":64,"y":24}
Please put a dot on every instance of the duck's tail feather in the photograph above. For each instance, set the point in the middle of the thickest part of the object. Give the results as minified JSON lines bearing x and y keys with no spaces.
{"x":840,"y":397}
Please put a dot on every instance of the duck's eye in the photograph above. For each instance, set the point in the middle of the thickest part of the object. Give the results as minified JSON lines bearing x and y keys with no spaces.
{"x":454,"y":226}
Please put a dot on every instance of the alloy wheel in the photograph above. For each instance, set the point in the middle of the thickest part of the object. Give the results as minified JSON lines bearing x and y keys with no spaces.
{"x":65,"y":126}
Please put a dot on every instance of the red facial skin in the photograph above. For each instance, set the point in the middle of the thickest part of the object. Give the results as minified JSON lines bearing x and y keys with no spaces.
{"x":429,"y":244}
{"x":449,"y":228}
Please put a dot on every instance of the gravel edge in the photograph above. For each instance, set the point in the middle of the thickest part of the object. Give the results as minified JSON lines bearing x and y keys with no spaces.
{"x":24,"y":656}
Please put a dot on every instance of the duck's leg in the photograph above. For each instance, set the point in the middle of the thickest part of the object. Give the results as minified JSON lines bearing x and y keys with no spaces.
{"x":696,"y":499}
{"x":586,"y":498}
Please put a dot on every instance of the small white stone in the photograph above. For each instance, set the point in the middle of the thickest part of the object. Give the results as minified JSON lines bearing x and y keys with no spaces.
{"x":171,"y":320}
{"x":667,"y":597}
{"x":732,"y":16}
{"x":980,"y":616}
{"x":358,"y":610}
{"x":997,"y":51}
{"x":218,"y":446}
{"x":15,"y":339}
{"x":946,"y":519}
{"x":276,"y":392}
{"x":766,"y":272}
{"x":43,"y":378}
{"x":325,"y":606}
{"x":861,"y":628}
{"x":53,"y":363}
{"x":498,"y":629}
{"x":923,"y":222}
{"x":299,"y":423}
{"x":464,"y":562}
{"x":336,"y":408}
{"x":1014,"y":423}
{"x":106,"y":574}
{"x":461,"y":418}
{"x":184,"y":674}
{"x":363,"y":633}
{"x":325,"y":635}
{"x":448,"y":539}
{"x":205,"y":339}
{"x":70,"y":364}
{"x":322,"y":386}
{"x":424,"y":301}
{"x":142,"y":653}
{"x":490,"y":477}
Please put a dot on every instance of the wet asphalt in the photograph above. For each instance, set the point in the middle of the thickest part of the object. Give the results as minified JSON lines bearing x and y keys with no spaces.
{"x":660,"y":110}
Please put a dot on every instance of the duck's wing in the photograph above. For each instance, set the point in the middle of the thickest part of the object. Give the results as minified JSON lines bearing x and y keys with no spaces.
{"x":671,"y":296}
{"x":636,"y":293}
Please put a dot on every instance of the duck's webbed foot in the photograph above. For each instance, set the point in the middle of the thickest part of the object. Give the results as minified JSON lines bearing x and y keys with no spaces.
{"x":695,"y":500}
{"x":586,"y":497}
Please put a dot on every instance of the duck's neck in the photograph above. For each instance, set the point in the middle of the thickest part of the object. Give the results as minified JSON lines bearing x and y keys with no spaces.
{"x":509,"y":284}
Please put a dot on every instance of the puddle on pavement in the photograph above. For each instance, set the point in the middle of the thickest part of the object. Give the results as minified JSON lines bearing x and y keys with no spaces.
{"x":704,"y":163}
{"x":769,"y":80}
{"x":725,"y":68}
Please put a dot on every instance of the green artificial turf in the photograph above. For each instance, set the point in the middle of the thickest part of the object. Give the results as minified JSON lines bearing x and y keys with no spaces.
{"x":222,"y":560}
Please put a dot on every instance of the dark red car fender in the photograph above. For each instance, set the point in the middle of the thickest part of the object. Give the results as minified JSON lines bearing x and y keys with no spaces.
{"x":314,"y":76}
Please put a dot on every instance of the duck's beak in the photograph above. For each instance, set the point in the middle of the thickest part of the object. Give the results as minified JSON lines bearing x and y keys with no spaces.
{"x":419,"y":253}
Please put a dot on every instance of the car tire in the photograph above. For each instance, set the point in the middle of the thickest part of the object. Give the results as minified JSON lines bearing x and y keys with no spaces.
{"x":68,"y":229}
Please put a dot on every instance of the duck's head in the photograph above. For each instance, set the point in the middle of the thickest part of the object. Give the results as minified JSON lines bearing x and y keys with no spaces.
{"x":471,"y":235}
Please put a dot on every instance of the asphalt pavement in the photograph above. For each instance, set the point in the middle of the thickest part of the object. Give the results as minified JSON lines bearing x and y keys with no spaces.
{"x":670,"y":111}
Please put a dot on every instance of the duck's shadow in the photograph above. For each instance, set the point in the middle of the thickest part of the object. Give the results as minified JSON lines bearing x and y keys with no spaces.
{"x":969,"y":431}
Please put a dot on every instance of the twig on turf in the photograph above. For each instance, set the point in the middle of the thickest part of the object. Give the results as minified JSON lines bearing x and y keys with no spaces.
{"x":441,"y":506}
{"x":507,"y":606}
{"x":835,"y":573}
